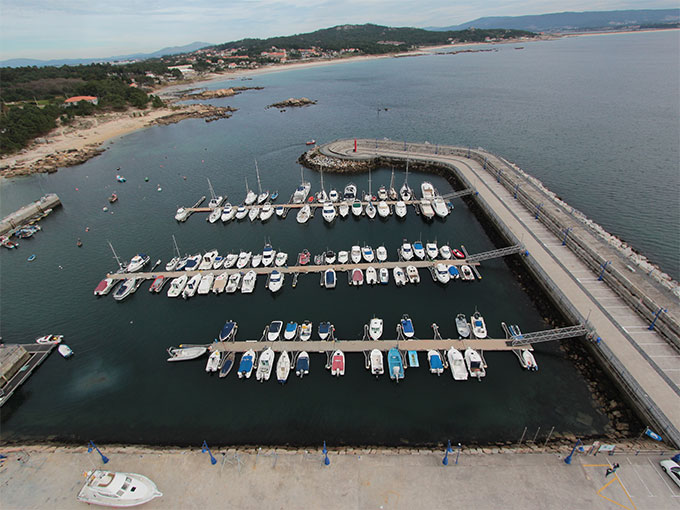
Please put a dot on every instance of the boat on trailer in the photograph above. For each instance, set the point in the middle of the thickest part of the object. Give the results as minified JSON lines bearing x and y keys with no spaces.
{"x":117,"y":489}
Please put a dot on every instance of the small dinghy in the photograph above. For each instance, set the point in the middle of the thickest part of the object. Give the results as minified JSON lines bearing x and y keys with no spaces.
{"x":338,"y":363}
{"x":185,"y":353}
{"x":377,"y":367}
{"x":435,"y":360}
{"x":395,"y":364}
{"x":283,"y":367}
{"x":213,"y":361}
{"x":265,"y":365}
{"x":65,"y":351}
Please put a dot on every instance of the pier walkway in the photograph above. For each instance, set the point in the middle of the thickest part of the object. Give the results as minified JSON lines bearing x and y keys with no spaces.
{"x":643,"y":362}
{"x":37,"y":354}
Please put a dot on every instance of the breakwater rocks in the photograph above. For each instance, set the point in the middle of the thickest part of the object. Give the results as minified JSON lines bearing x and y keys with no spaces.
{"x":215,"y":94}
{"x":52,"y":162}
{"x":292,"y":103}
{"x":204,"y":111}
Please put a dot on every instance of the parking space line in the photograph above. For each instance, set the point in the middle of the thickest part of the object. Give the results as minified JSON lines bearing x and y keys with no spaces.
{"x":663,"y":479}
{"x":641,"y":480}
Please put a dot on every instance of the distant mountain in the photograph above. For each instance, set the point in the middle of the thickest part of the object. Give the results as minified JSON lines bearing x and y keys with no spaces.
{"x":570,"y":21}
{"x":172,"y":50}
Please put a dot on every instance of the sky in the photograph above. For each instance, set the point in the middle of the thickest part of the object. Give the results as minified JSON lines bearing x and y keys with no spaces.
{"x":50,"y":29}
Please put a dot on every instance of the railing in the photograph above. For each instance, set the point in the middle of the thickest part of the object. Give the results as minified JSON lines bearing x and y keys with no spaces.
{"x":549,"y":335}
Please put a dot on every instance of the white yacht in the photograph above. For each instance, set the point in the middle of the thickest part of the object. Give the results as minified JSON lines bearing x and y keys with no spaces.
{"x":350,"y":192}
{"x":384,"y":276}
{"x":333,"y":195}
{"x":371,"y":276}
{"x":266,"y":212}
{"x":281,"y":259}
{"x":383,"y":209}
{"x":275,"y":281}
{"x":381,"y":253}
{"x":445,"y":251}
{"x":406,"y":251}
{"x":243,"y":259}
{"x":328,"y":212}
{"x":457,"y":364}
{"x":182,"y":214}
{"x":399,"y":276}
{"x":370,"y":210}
{"x":412,"y":274}
{"x":357,"y":208}
{"x":256,"y":260}
{"x":304,"y":213}
{"x":440,"y":207}
{"x":368,"y":254}
{"x":177,"y":286}
{"x":382,"y":193}
{"x":291,"y":330}
{"x":262,"y":195}
{"x":192,"y":286}
{"x":251,"y":197}
{"x":137,"y":262}
{"x":230,"y":260}
{"x":343,"y":209}
{"x":215,"y":200}
{"x":375,"y":328}
{"x":478,"y":325}
{"x":376,"y":359}
{"x":241,"y":212}
{"x":427,"y":190}
{"x":426,"y":209}
{"x":254,"y":212}
{"x":442,"y":273}
{"x":233,"y":283}
{"x":117,"y":489}
{"x":400,"y":209}
{"x":431,"y":250}
{"x":355,"y":254}
{"x":265,"y":365}
{"x":527,"y":360}
{"x":206,"y":283}
{"x":306,"y":329}
{"x":214,"y":215}
{"x":419,"y":250}
{"x":274,"y":330}
{"x":213,"y":361}
{"x":207,"y":260}
{"x":248,"y":283}
{"x":283,"y":367}
{"x":228,"y":213}
{"x":218,"y":262}
{"x":405,"y":192}
{"x":474,"y":363}
{"x":300,"y":194}
{"x":268,"y":255}
{"x":343,"y":257}
{"x":220,"y":283}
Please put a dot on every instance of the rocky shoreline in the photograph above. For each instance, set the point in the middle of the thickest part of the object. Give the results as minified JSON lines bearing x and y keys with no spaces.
{"x":207,"y":112}
{"x":292,"y":103}
{"x":215,"y":94}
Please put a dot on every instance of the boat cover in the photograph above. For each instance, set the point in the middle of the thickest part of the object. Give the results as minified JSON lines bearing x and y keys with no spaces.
{"x":324,"y":327}
{"x":302,"y":364}
{"x":436,"y":362}
{"x":246,"y":364}
{"x":407,"y":325}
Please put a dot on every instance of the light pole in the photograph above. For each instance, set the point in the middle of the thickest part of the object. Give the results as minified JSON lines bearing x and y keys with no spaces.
{"x":445,"y":460}
{"x":568,"y":459}
{"x":516,"y":188}
{"x":604,"y":267}
{"x":92,"y":446}
{"x":566,"y":234}
{"x":538,"y":210}
{"x":458,"y":453}
{"x":204,"y":449}
{"x":656,"y":316}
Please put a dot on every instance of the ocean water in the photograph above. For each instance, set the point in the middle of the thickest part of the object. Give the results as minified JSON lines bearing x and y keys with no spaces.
{"x":596,"y":118}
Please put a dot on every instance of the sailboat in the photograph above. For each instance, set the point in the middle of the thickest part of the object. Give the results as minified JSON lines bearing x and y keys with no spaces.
{"x":392,"y":193}
{"x":405,"y":191}
{"x":321,"y":196}
{"x":172,"y":265}
{"x":250,"y":195}
{"x":215,"y":200}
{"x":300,"y":194}
{"x":370,"y":208}
{"x":263,"y":195}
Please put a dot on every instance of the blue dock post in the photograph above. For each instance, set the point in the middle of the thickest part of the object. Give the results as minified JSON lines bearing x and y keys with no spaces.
{"x":204,"y":449}
{"x":445,"y":460}
{"x":538,"y":210}
{"x":516,"y":188}
{"x":568,"y":459}
{"x":656,"y":316}
{"x":566,"y":234}
{"x":326,"y":460}
{"x":93,"y":446}
{"x":604,"y":266}
{"x":498,"y":175}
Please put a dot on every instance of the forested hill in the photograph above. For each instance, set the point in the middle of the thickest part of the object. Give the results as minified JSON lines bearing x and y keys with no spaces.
{"x":370,"y":39}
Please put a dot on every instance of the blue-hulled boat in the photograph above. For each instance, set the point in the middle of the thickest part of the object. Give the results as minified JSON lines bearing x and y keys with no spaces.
{"x":302,"y":364}
{"x":227,"y":363}
{"x":413,"y":359}
{"x":436,"y":364}
{"x":324,"y":330}
{"x":245,"y":368}
{"x":453,"y":271}
{"x":407,"y":326}
{"x":329,"y":279}
{"x":228,"y":331}
{"x":395,"y":364}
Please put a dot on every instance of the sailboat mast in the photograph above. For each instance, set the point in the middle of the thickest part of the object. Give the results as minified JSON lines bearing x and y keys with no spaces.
{"x":115,"y":255}
{"x":257,"y":171}
{"x":174,"y":241}
{"x":392,"y":179}
{"x":212,"y":191}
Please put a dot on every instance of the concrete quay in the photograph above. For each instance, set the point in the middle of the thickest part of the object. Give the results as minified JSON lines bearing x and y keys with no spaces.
{"x":27,"y":212}
{"x":524,"y":478}
{"x":567,"y":257}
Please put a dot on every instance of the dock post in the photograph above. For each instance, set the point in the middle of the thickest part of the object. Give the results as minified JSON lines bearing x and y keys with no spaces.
{"x":92,"y":446}
{"x":448,"y":450}
{"x":568,"y":459}
{"x":538,"y":210}
{"x":604,"y":267}
{"x":566,"y":234}
{"x":204,"y":449}
{"x":656,"y":316}
{"x":326,"y":460}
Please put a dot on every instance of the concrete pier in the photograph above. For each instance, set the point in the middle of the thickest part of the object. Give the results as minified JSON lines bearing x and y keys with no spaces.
{"x":588,"y":278}
{"x":27,"y":212}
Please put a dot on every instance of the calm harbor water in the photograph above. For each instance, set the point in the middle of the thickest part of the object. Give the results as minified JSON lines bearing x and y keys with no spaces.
{"x":589,"y":116}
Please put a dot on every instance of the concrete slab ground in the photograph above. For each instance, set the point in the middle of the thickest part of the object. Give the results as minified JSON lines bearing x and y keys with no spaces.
{"x":50,"y":478}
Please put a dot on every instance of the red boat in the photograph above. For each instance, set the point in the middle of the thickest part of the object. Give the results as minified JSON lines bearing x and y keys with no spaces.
{"x":157,"y":284}
{"x":338,"y":363}
{"x":311,"y":142}
{"x":457,"y":253}
{"x":113,"y":198}
{"x":303,"y":258}
{"x":104,"y":287}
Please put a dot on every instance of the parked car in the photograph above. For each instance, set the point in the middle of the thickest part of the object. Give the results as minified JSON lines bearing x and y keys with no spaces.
{"x":672,"y":469}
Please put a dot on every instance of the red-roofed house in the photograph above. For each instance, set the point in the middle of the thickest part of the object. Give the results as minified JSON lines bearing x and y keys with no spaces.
{"x":77,"y":99}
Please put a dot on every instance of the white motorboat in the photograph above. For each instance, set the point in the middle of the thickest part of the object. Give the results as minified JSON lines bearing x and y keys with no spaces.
{"x":65,"y":351}
{"x":251,"y":197}
{"x":268,"y":255}
{"x":206,"y":283}
{"x":371,"y":276}
{"x":381,"y":253}
{"x":376,"y":360}
{"x":384,"y":276}
{"x":383,"y":209}
{"x":406,"y":251}
{"x":274,"y":330}
{"x":281,"y":259}
{"x":440,"y":207}
{"x":466,"y":273}
{"x":182,"y":214}
{"x":474,"y":363}
{"x":442,"y":273}
{"x":125,"y":289}
{"x":329,"y":278}
{"x":304,"y":213}
{"x":283,"y":367}
{"x":177,"y":285}
{"x":462,"y":326}
{"x":302,"y":364}
{"x":306,"y":329}
{"x":218,"y":262}
{"x":186,"y":353}
{"x":426,"y":209}
{"x":435,"y":361}
{"x":431,"y":250}
{"x":215,"y":200}
{"x":338,"y":363}
{"x":445,"y":252}
{"x":333,"y":195}
{"x":325,"y":330}
{"x":399,"y":276}
{"x":350,"y":192}
{"x":230,"y":260}
{"x":343,"y":257}
{"x":275,"y":281}
{"x":215,"y":215}
{"x":207,"y":260}
{"x":290,"y":331}
{"x":49,"y":339}
{"x":172,"y":263}
{"x":220,"y":283}
{"x":279,"y":210}
{"x":266,"y":212}
{"x":457,"y":364}
{"x":343,"y":209}
{"x":262,"y":195}
{"x":117,"y":489}
{"x":248,"y":283}
{"x":105,"y":286}
{"x":527,"y":360}
{"x":355,"y":254}
{"x":245,"y":368}
{"x":370,"y":210}
{"x":243,"y":259}
{"x":254,"y":212}
{"x":256,"y":260}
{"x":375,"y":328}
{"x":406,"y":325}
{"x":329,"y":257}
{"x":328,"y":212}
{"x":400,"y":209}
{"x":357,"y":277}
{"x":478,"y":325}
{"x":382,"y":193}
{"x":228,"y":213}
{"x":368,"y":254}
{"x":233,"y":283}
{"x":241,"y":212}
{"x":419,"y":250}
{"x":192,"y":286}
{"x":137,"y":262}
{"x":412,"y":274}
{"x":192,"y":262}
{"x":357,"y":208}
{"x":427,"y":190}
{"x":265,"y":365}
{"x":300,"y":194}
{"x":213,"y":361}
